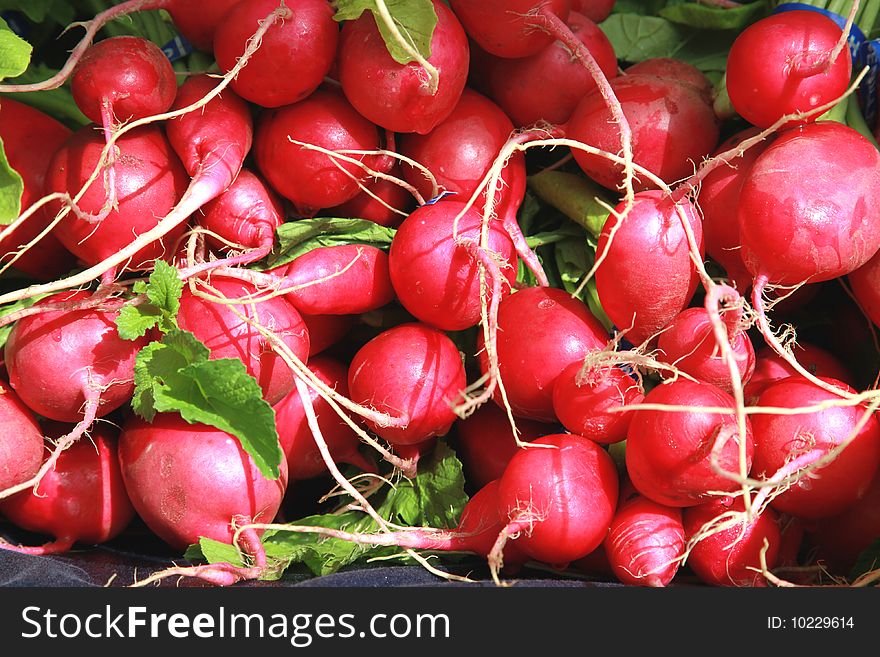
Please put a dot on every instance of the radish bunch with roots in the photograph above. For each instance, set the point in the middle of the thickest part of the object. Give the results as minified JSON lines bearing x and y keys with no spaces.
{"x":359,"y":281}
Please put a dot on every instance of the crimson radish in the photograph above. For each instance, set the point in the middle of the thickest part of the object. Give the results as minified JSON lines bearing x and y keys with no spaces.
{"x":21,"y":440}
{"x":674,"y":69}
{"x":384,"y":202}
{"x":770,"y":367}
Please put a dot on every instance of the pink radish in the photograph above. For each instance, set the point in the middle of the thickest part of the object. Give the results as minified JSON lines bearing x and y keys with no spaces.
{"x":770,"y":367}
{"x":397,"y":96}
{"x":81,"y":500}
{"x":294,"y":56}
{"x":678,"y":458}
{"x":413,"y":373}
{"x":386,"y":203}
{"x":21,"y":440}
{"x":187,"y":481}
{"x":673,"y":69}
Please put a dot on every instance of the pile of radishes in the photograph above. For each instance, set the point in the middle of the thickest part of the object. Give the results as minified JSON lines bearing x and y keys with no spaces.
{"x":630,"y":302}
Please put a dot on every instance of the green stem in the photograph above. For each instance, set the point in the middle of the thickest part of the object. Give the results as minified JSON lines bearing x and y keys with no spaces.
{"x":573,"y":195}
{"x":856,"y":121}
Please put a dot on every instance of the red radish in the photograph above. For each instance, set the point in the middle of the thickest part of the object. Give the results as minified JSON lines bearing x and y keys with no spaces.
{"x":309,"y":178}
{"x":398,"y":96}
{"x":228,"y":336}
{"x":731,"y":557}
{"x":482,"y":520}
{"x":30,"y":139}
{"x":718,"y":201}
{"x":649,"y":240}
{"x":304,"y":460}
{"x":326,"y":330}
{"x":413,"y":373}
{"x":595,"y":10}
{"x":81,"y":500}
{"x":796,"y":227}
{"x":485,"y":442}
{"x":541,"y":331}
{"x":387,"y":203}
{"x":781,"y":65}
{"x":246,"y":215}
{"x":187,"y":481}
{"x":357,"y":280}
{"x":21,"y":440}
{"x":505,"y":27}
{"x":646,"y":542}
{"x":435,"y":265}
{"x":865,"y":283}
{"x":673,"y":129}
{"x":560,"y":500}
{"x":198,"y":21}
{"x":769,"y":368}
{"x":150,"y":180}
{"x":123,"y":78}
{"x":689,"y":344}
{"x":548,"y":85}
{"x":840,"y":540}
{"x":69,"y":364}
{"x":583,"y":403}
{"x":460,"y":150}
{"x":674,"y":69}
{"x":669,"y":454}
{"x":294,"y":56}
{"x":786,"y":443}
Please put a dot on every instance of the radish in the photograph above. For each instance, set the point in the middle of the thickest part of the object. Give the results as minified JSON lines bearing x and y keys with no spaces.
{"x":197,"y":21}
{"x":865,"y":282}
{"x":304,"y":460}
{"x":397,"y":96}
{"x":730,"y":554}
{"x":123,"y":78}
{"x":548,"y":85}
{"x":326,"y":330}
{"x":673,"y":129}
{"x":583,"y":402}
{"x":674,"y":69}
{"x":384,"y":202}
{"x":689,"y":345}
{"x":294,"y":56}
{"x":30,"y":139}
{"x":187,"y":481}
{"x":595,"y":10}
{"x":649,"y":239}
{"x":244,"y":216}
{"x":678,"y":458}
{"x":783,"y":64}
{"x":228,"y":336}
{"x":414,"y":373}
{"x":561,"y":501}
{"x":81,"y":500}
{"x":645,"y":544}
{"x":541,"y":331}
{"x":770,"y":367}
{"x":435,"y":264}
{"x":21,"y":440}
{"x":484,"y":442}
{"x":355,"y":280}
{"x":784,"y":444}
{"x":312,"y":179}
{"x":506,"y":28}
{"x":70,"y":364}
{"x":718,"y":200}
{"x":149,"y":181}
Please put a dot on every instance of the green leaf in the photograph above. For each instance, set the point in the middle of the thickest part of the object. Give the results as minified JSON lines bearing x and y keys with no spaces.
{"x":415,"y":20}
{"x":212,"y":551}
{"x":176,"y":375}
{"x":703,"y":17}
{"x":440,"y":489}
{"x":37,"y":11}
{"x":57,"y":103}
{"x":11,"y":190}
{"x":647,"y":7}
{"x":868,"y":561}
{"x":298,"y":237}
{"x":163,"y":301}
{"x":15,"y":52}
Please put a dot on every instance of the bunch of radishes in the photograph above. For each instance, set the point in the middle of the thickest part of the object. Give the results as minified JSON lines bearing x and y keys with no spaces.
{"x":317,"y":258}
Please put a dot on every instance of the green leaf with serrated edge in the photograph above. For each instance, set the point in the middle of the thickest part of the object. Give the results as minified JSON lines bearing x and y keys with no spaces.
{"x":214,"y":552}
{"x":159,"y":365}
{"x":415,"y":20}
{"x":15,"y":52}
{"x":133,"y":321}
{"x":165,"y":287}
{"x":296,"y":238}
{"x":163,"y":291}
{"x":435,"y":497}
{"x":868,"y":561}
{"x":11,"y":189}
{"x":636,"y":38}
{"x":704,"y":17}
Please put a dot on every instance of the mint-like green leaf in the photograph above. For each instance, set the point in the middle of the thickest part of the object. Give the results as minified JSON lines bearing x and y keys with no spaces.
{"x":636,"y":38}
{"x":415,"y":19}
{"x":15,"y":52}
{"x":11,"y":189}
{"x":693,"y":14}
{"x":296,"y":238}
{"x":440,"y":489}
{"x":163,"y":292}
{"x":175,"y":375}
